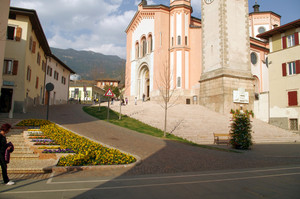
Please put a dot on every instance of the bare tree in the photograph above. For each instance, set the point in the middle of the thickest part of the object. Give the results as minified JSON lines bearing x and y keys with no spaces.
{"x":166,"y":91}
{"x":123,"y":89}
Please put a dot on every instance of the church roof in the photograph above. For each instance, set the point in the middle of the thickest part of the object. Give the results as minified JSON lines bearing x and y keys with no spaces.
{"x":264,"y":12}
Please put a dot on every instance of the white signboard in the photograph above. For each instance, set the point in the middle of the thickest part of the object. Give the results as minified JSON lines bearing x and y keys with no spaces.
{"x":240,"y":96}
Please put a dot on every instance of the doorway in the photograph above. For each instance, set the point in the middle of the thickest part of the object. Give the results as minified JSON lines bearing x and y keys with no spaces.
{"x":144,"y":83}
{"x":5,"y":100}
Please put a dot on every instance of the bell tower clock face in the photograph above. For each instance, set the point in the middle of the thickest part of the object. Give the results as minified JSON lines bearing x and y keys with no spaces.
{"x":208,"y":1}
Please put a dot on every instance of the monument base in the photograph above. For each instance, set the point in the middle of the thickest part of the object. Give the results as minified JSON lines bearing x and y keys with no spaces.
{"x":225,"y":92}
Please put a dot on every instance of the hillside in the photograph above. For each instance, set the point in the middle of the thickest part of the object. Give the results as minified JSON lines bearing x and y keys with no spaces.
{"x":90,"y":65}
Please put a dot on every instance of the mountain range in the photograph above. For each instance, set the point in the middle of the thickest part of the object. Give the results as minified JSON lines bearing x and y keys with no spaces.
{"x":91,"y":65}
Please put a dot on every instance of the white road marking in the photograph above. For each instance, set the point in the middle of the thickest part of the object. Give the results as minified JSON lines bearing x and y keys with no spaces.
{"x":49,"y":181}
{"x":170,"y":177}
{"x":149,"y":185}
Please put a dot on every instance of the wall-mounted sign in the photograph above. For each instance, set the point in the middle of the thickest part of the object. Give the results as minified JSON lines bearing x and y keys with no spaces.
{"x":241,"y":96}
{"x":8,"y":83}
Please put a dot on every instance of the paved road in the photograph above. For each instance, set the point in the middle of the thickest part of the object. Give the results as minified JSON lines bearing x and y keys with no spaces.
{"x":279,"y":182}
{"x":214,"y":170}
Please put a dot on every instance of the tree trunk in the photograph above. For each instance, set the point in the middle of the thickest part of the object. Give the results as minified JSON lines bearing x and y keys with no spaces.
{"x":166,"y":115}
{"x":120,"y":114}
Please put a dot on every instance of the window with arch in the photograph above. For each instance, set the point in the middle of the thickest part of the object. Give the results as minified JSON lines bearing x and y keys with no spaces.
{"x":137,"y":50}
{"x":150,"y":44}
{"x":144,"y":46}
{"x":178,"y":81}
{"x":256,"y":85}
{"x":179,"y":40}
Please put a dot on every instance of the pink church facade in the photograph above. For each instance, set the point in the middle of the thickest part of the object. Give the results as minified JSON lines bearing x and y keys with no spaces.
{"x":162,"y":36}
{"x":158,"y":37}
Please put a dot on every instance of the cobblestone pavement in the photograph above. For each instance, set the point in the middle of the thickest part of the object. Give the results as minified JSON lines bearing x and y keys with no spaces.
{"x":164,"y":156}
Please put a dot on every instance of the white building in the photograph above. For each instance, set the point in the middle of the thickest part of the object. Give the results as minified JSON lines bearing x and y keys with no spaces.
{"x":58,"y":74}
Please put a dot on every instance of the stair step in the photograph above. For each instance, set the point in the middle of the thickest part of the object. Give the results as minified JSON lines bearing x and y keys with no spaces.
{"x":31,"y":166}
{"x":24,"y":156}
{"x":27,"y":151}
{"x":21,"y":146}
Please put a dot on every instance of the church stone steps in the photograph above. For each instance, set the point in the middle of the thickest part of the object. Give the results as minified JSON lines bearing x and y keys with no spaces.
{"x":197,"y":123}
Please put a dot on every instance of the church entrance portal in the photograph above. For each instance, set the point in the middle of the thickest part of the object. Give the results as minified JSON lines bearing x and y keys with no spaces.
{"x":144,"y":83}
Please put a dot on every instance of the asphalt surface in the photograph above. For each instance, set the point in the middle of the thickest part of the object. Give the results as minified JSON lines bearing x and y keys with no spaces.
{"x":259,"y":169}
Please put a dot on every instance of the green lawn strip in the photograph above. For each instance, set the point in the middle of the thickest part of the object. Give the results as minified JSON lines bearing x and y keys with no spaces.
{"x":141,"y":127}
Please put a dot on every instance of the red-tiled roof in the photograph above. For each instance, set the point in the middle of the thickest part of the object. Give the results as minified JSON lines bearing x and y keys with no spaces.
{"x":280,"y":29}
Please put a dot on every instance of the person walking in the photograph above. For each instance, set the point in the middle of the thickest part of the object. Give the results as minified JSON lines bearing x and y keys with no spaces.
{"x":5,"y":128}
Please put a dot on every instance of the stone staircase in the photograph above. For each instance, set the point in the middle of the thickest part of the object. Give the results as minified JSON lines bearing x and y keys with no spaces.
{"x":24,"y":159}
{"x":197,"y":123}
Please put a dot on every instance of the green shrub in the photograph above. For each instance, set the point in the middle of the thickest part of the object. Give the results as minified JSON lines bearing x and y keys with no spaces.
{"x":241,"y":129}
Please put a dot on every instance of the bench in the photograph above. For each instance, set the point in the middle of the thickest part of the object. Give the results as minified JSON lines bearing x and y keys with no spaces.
{"x":221,"y":138}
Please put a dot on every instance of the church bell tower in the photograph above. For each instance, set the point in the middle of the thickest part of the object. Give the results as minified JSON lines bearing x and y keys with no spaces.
{"x":226,"y":80}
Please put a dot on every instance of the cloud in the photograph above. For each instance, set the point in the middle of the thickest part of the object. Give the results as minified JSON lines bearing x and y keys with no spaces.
{"x":97,"y":25}
{"x":88,"y":24}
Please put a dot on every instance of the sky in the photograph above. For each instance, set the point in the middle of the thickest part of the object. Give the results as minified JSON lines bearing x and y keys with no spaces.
{"x":99,"y":25}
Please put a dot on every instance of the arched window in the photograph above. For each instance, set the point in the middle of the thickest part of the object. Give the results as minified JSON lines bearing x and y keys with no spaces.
{"x":179,"y":40}
{"x":150,"y":44}
{"x":178,"y":82}
{"x":137,"y":50}
{"x":256,"y":85}
{"x":144,"y":46}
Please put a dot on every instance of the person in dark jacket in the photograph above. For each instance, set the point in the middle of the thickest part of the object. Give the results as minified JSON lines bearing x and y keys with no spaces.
{"x":3,"y":147}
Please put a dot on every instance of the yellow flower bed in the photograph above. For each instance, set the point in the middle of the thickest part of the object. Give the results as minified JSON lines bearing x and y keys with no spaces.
{"x":87,"y":151}
{"x":33,"y":122}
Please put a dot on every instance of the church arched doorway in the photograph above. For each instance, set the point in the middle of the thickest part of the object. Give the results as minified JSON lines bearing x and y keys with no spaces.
{"x":144,"y":82}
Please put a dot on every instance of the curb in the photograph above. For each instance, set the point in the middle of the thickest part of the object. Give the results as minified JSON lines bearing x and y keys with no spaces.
{"x":95,"y":167}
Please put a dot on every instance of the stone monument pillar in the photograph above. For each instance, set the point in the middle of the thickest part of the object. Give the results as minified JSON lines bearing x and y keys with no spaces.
{"x":226,"y":81}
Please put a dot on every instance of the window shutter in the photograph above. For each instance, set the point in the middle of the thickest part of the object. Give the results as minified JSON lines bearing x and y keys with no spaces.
{"x":296,"y":38}
{"x":284,"y":69}
{"x":283,"y":42}
{"x":298,"y":67}
{"x":293,"y":101}
{"x":37,"y":82}
{"x":15,"y":67}
{"x":19,"y":34}
{"x":33,"y":47}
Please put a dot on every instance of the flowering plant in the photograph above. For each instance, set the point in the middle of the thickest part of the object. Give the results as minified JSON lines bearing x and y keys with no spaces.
{"x":45,"y":143}
{"x":58,"y":151}
{"x":38,"y":137}
{"x":87,"y":151}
